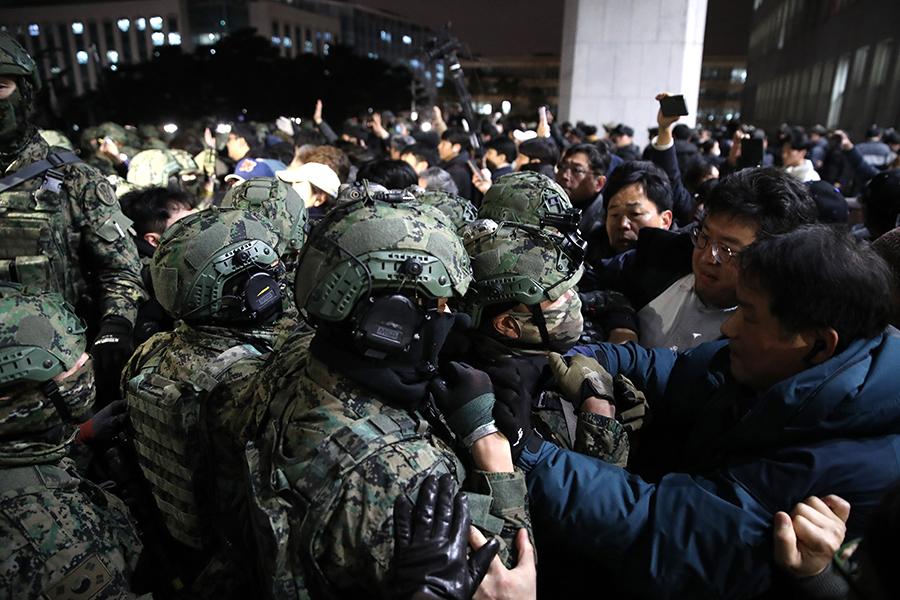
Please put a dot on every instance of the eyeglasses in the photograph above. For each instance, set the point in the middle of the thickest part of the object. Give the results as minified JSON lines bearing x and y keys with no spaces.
{"x":721,"y":253}
{"x":575,"y":169}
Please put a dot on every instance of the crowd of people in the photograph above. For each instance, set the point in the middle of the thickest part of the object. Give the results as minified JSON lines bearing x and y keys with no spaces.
{"x":421,"y":360}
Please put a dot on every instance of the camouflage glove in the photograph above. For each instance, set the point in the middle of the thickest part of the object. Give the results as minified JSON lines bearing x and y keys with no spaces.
{"x":105,"y":425}
{"x":581,"y":378}
{"x":430,"y":545}
{"x":466,"y":399}
{"x":515,"y":386}
{"x":631,"y":404}
{"x":112,"y":348}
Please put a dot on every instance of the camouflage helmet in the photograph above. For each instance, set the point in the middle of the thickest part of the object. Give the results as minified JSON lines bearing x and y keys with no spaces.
{"x":517,"y":263}
{"x":524,"y":197}
{"x":278,"y":202}
{"x":14,"y":60}
{"x":153,"y":167}
{"x":113,"y":131}
{"x":40,"y":337}
{"x":367,"y":245}
{"x":55,"y":139}
{"x":203,"y":261}
{"x":185,"y":160}
{"x":459,"y":210}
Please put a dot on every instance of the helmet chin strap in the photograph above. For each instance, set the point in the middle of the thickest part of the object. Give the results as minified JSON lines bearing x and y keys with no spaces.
{"x":51,"y":390}
{"x":537,"y":315}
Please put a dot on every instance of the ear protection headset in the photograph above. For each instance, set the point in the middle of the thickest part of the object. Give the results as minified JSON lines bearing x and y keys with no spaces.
{"x":386,"y":326}
{"x":261,"y":298}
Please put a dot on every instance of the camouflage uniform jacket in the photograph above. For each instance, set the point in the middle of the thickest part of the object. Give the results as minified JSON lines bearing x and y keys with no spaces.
{"x":555,"y":417}
{"x":97,"y":241}
{"x":353,"y":540}
{"x":62,"y":536}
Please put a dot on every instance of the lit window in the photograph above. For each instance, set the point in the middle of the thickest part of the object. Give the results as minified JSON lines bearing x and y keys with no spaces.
{"x":327,"y":36}
{"x":34,"y":30}
{"x":81,"y":57}
{"x":288,"y":43}
{"x":325,"y":50}
{"x":77,"y":28}
{"x":222,"y":23}
{"x":158,"y":38}
{"x":113,"y":68}
{"x":112,"y":56}
{"x":276,"y":40}
{"x":141,"y":23}
{"x":156,"y":23}
{"x":415,"y":64}
{"x":407,"y":39}
{"x":318,"y":35}
{"x":123,"y":24}
{"x":212,"y":50}
{"x":308,"y":46}
{"x":174,"y":39}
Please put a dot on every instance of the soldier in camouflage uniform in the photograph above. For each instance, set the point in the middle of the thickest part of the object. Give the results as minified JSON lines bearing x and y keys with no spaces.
{"x":356,"y":427}
{"x":460,"y":211}
{"x":60,"y":535}
{"x":188,"y":391}
{"x":60,"y":222}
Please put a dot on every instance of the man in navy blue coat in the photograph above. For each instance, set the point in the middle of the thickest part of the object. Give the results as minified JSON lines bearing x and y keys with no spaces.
{"x":803,"y":399}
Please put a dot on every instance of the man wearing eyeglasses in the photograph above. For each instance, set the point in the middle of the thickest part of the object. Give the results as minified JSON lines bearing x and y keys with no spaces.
{"x":683,"y":285}
{"x":582,"y":174}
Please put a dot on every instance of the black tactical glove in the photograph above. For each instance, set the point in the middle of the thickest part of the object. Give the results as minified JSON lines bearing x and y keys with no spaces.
{"x":631,"y":404}
{"x":430,"y":545}
{"x":104,"y":425}
{"x":112,"y":348}
{"x":515,"y":389}
{"x":580,"y":377}
{"x":466,"y":398}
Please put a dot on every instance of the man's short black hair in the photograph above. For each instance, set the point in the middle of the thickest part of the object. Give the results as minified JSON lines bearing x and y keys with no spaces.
{"x":151,"y":208}
{"x":881,"y":200}
{"x":652,"y":178}
{"x":598,"y":156}
{"x":820,"y":276}
{"x":457,"y":135}
{"x":544,"y":150}
{"x":681,"y":132}
{"x":763,"y":197}
{"x":242,"y":130}
{"x":422,"y":152}
{"x":797,"y":138}
{"x":505,"y":146}
{"x":392,"y":174}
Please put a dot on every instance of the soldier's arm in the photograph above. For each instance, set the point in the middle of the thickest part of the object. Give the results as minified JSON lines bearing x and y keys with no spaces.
{"x":602,"y":437}
{"x":106,"y":243}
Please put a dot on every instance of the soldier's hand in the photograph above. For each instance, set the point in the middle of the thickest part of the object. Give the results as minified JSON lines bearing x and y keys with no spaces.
{"x":581,"y":377}
{"x":112,"y":348}
{"x":430,"y":544}
{"x":631,"y":404}
{"x":105,"y":425}
{"x":466,"y":398}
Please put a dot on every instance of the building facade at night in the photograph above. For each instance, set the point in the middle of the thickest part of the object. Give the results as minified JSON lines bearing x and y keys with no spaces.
{"x":834,"y":63}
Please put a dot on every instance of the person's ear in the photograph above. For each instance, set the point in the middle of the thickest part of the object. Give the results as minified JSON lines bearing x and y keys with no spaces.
{"x":507,"y":326}
{"x":599,"y":182}
{"x":457,"y":148}
{"x":822,"y":344}
{"x":152,"y":238}
{"x":421,"y":166}
{"x":666,"y":217}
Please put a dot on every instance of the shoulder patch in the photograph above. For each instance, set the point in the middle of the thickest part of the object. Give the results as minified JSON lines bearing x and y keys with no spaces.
{"x":84,"y":581}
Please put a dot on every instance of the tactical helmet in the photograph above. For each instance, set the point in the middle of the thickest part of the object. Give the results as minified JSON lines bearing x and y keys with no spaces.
{"x":153,"y":167}
{"x":40,"y":337}
{"x":113,"y":131}
{"x":278,"y":202}
{"x":207,"y":263}
{"x":14,"y":60}
{"x":186,"y":161}
{"x":524,"y":197}
{"x":56,"y":139}
{"x":460,"y":211}
{"x":368,"y":245}
{"x":517,"y":263}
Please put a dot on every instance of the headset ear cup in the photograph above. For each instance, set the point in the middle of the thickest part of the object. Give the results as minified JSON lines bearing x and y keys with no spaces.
{"x":386,"y":326}
{"x":262,"y":298}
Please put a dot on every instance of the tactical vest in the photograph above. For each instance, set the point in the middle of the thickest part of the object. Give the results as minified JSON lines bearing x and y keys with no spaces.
{"x":291,"y":500}
{"x":169,"y":418}
{"x":36,"y":243}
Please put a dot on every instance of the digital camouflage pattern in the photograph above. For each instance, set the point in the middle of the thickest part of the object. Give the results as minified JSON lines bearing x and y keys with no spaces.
{"x":153,"y":168}
{"x":459,"y":210}
{"x":55,"y":139}
{"x":370,"y":244}
{"x":518,"y":263}
{"x":202,"y":260}
{"x":523,"y":197}
{"x":342,"y":508}
{"x":62,"y":537}
{"x":278,"y":202}
{"x":53,"y":239}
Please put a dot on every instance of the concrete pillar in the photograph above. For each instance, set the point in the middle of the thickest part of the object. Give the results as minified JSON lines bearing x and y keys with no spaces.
{"x":618,"y":54}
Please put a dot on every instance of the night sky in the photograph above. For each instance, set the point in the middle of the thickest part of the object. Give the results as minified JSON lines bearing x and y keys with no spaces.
{"x":526,"y":27}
